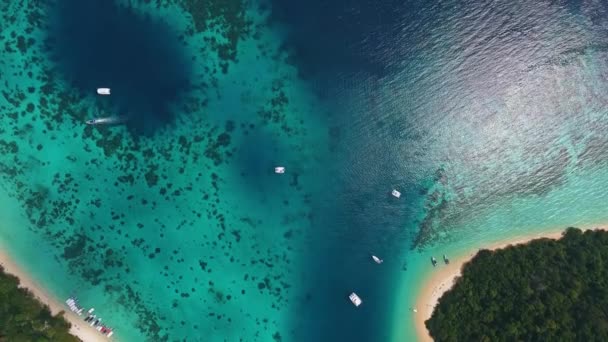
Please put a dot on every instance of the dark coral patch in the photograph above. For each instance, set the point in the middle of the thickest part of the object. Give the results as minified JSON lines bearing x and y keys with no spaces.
{"x":76,"y":247}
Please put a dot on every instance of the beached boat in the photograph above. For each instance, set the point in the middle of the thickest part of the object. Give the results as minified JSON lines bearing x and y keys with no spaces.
{"x":96,"y":322}
{"x":445,"y":259}
{"x":355,"y":299}
{"x":110,"y":333}
{"x":110,"y":120}
{"x":396,"y":193}
{"x":92,"y":319}
{"x":434,"y":261}
{"x":74,"y":307}
{"x":279,"y":169}
{"x":103,"y":91}
{"x":377,"y":260}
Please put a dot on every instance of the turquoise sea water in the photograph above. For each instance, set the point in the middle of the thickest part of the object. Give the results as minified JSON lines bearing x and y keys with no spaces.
{"x":489,"y":118}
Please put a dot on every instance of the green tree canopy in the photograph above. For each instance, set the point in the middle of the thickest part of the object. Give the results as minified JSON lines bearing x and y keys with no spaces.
{"x":24,"y":318}
{"x":545,"y":290}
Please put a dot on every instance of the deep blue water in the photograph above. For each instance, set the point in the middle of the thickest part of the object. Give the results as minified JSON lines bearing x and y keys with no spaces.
{"x":97,"y":43}
{"x":340,"y":47}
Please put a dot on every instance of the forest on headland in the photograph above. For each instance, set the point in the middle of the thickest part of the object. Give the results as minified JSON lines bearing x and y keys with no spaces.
{"x":25,"y":319}
{"x":545,"y":290}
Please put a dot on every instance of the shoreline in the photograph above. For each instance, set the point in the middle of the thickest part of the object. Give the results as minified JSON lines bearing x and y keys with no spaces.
{"x":79,"y":328}
{"x":440,"y":281}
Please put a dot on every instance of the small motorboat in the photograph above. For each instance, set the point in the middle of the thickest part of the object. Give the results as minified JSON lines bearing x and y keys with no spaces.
{"x":279,"y":169}
{"x":434,"y":261}
{"x":103,"y":91}
{"x":110,"y":120}
{"x":396,"y":193}
{"x":355,"y":299}
{"x":110,"y":333}
{"x":377,"y":260}
{"x":445,"y":259}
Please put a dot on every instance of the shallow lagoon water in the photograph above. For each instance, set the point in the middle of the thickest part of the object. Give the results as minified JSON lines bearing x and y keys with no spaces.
{"x":489,"y":118}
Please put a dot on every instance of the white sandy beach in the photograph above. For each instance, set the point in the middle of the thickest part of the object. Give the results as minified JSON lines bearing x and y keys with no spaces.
{"x":79,"y":328}
{"x":442,"y":279}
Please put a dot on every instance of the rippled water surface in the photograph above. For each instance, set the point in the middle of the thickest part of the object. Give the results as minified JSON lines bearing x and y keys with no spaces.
{"x":489,"y":117}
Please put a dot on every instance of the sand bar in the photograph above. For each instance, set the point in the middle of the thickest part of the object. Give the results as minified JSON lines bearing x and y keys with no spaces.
{"x":442,"y":278}
{"x":79,"y":328}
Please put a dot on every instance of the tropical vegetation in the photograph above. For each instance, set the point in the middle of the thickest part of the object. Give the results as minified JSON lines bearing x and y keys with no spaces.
{"x":545,"y":290}
{"x":25,"y":319}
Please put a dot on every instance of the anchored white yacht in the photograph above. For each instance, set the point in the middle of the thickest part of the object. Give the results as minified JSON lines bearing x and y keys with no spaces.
{"x":355,"y":299}
{"x":396,"y":193}
{"x":279,"y":169}
{"x":377,"y":260}
{"x":103,"y":91}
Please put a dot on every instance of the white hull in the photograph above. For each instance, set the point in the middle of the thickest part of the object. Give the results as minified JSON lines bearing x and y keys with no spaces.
{"x":103,"y":91}
{"x":110,"y":120}
{"x":396,"y":193}
{"x":355,"y":299}
{"x":279,"y":169}
{"x":377,"y":260}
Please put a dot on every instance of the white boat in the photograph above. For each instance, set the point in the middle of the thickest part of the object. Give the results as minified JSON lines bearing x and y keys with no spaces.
{"x":103,"y":91}
{"x":396,"y":193}
{"x":110,"y":120}
{"x":355,"y":299}
{"x":377,"y":260}
{"x":110,"y":333}
{"x":279,"y":169}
